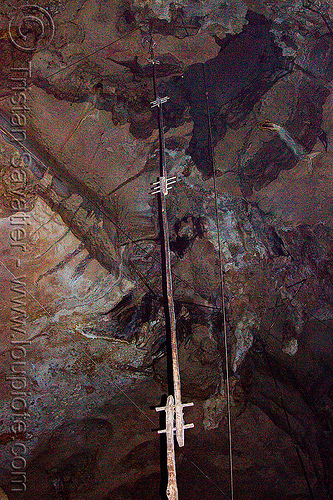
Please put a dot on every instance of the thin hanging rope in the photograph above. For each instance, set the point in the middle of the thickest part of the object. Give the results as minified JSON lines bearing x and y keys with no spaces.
{"x":222,"y":283}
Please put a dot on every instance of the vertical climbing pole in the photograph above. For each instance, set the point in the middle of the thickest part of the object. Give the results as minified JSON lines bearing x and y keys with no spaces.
{"x":174,"y":406}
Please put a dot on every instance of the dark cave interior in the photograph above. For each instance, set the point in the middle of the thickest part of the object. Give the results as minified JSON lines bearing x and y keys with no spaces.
{"x":248,"y":131}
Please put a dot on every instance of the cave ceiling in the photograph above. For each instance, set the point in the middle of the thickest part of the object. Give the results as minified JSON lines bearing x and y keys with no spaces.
{"x":248,"y":133}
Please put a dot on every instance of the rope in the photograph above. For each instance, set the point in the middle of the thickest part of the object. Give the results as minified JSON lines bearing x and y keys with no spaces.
{"x":93,"y":53}
{"x":222,"y":283}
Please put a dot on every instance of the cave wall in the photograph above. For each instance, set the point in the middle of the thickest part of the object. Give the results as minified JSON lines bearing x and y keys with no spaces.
{"x":90,"y":273}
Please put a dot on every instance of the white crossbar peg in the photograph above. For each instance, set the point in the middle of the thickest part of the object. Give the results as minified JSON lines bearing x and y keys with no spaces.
{"x":159,"y":101}
{"x":153,"y":61}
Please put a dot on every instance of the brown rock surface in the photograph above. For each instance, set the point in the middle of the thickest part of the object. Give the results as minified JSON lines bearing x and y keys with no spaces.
{"x":84,"y":288}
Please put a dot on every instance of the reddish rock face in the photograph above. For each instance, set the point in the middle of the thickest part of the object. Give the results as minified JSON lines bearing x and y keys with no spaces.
{"x":84,"y":348}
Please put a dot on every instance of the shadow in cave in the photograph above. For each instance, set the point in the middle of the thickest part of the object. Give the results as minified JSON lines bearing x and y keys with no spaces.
{"x":246,"y":67}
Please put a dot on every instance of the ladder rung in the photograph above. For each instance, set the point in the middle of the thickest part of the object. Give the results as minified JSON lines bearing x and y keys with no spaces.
{"x":163,"y":185}
{"x":186,"y":426}
{"x":183,"y":405}
{"x":159,"y":101}
{"x":154,"y":61}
